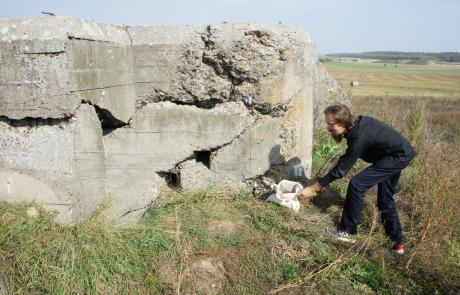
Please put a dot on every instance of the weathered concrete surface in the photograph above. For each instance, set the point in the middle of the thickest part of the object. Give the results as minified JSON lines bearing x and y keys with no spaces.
{"x":19,"y":187}
{"x":159,"y":55}
{"x":102,"y":73}
{"x":122,"y":111}
{"x":87,"y":185}
{"x":249,"y":155}
{"x":268,"y":67}
{"x":48,"y":65}
{"x":161,"y":136}
{"x":326,"y":91}
{"x":33,"y":83}
{"x":58,"y":164}
{"x":228,"y":62}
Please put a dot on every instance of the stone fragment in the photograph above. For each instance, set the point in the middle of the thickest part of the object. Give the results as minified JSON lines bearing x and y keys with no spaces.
{"x":32,"y":212}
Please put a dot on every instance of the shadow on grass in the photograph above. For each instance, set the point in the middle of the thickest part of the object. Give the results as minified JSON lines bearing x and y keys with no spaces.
{"x":328,"y":198}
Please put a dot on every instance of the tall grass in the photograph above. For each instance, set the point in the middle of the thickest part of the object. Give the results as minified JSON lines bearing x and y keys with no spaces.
{"x":433,"y":198}
{"x":416,"y":123}
{"x":38,"y":256}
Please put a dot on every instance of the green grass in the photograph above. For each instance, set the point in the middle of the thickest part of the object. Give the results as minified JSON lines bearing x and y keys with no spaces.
{"x":41,"y":257}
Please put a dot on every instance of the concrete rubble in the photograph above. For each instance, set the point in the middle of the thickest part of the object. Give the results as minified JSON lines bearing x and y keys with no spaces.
{"x":94,"y":114}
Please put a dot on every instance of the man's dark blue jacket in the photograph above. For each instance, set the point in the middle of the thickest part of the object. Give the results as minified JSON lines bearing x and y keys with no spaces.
{"x":375,"y":142}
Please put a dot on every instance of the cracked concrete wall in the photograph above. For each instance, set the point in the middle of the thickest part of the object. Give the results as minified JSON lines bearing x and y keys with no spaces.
{"x":37,"y":78}
{"x":102,"y":74}
{"x":94,"y":114}
{"x":160,"y":137}
{"x":57,"y":163}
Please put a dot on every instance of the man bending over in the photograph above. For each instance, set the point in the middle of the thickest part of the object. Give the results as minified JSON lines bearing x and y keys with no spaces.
{"x":374,"y":142}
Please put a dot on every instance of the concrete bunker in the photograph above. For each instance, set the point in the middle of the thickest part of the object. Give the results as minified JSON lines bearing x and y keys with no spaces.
{"x":123,"y":111}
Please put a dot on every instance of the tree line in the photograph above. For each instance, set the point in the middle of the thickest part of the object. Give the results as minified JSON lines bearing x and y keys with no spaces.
{"x":399,"y":55}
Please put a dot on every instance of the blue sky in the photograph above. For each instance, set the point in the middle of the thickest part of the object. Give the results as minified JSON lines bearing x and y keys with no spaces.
{"x":334,"y":25}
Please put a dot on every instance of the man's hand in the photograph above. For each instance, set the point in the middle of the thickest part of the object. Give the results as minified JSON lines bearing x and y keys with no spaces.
{"x":311,"y":190}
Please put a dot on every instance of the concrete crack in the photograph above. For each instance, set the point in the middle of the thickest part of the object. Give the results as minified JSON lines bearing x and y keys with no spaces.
{"x":176,"y":168}
{"x":100,"y":88}
{"x":34,"y":122}
{"x":50,"y":53}
{"x":88,"y":39}
{"x":133,"y":210}
{"x":275,"y":110}
{"x":160,"y":96}
{"x":214,"y":149}
{"x":129,"y":35}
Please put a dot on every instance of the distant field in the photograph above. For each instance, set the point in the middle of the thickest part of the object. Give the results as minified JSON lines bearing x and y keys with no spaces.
{"x":391,"y":79}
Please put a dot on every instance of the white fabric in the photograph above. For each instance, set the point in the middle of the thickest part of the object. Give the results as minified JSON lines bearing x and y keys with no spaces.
{"x":286,"y":194}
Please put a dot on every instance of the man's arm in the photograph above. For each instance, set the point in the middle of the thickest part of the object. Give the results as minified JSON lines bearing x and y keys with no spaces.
{"x":345,"y":163}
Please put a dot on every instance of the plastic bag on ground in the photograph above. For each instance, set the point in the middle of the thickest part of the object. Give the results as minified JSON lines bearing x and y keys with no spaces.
{"x":286,"y":194}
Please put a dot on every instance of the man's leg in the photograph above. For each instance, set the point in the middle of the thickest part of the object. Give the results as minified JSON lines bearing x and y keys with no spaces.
{"x":354,"y":201}
{"x":387,"y":208}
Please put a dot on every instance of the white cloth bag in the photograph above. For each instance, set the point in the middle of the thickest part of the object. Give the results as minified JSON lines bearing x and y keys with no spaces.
{"x":286,"y":194}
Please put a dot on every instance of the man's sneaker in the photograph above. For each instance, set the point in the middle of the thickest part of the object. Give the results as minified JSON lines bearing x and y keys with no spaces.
{"x":398,"y":248}
{"x":341,"y":235}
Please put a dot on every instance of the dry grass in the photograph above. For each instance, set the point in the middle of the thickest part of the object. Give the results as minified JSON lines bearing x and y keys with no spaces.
{"x":378,"y":80}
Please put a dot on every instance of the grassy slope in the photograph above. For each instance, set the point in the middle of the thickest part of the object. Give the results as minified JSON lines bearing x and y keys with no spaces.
{"x":271,"y":249}
{"x":377,"y":79}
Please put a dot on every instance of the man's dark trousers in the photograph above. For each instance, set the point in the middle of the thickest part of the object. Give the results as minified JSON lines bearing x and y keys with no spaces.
{"x":386,"y":179}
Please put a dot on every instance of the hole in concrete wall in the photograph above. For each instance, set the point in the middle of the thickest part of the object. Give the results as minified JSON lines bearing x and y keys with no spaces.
{"x":108,"y":121}
{"x":203,"y":157}
{"x":172,"y":178}
{"x":106,"y":131}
